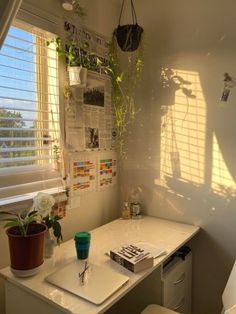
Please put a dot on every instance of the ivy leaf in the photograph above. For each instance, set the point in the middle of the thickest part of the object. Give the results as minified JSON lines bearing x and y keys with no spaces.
{"x":48,"y":221}
{"x":56,"y":229}
{"x":119,"y":78}
{"x":99,"y":62}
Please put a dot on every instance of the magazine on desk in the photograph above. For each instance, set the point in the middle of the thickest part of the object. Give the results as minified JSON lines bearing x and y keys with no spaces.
{"x":137,"y":256}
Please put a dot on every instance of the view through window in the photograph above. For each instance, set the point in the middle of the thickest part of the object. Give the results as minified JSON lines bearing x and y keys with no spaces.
{"x":29,"y":99}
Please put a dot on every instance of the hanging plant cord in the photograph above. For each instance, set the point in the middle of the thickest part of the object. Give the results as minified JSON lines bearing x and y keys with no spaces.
{"x":134,"y":16}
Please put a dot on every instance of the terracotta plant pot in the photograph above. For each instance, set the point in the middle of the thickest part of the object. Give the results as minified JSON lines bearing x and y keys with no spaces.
{"x":26,"y":253}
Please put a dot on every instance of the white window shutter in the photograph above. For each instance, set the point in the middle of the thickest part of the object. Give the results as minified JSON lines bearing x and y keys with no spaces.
{"x":8,"y":10}
{"x":30,"y":151}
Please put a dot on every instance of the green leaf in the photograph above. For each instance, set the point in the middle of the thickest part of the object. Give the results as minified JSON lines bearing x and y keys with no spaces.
{"x":57,"y":231}
{"x":48,"y":221}
{"x":30,"y":219}
{"x":99,"y":62}
{"x":12,"y":224}
{"x":9,"y":219}
{"x":58,"y":40}
{"x":24,"y":214}
{"x":58,"y":217}
{"x":33,"y":213}
{"x":60,"y":239}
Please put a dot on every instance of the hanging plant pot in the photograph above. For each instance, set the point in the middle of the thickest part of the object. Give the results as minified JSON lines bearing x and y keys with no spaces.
{"x":129,"y":36}
{"x":77,"y":76}
{"x":26,"y":252}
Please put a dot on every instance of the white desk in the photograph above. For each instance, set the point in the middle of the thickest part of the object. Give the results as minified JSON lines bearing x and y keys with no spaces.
{"x":34,"y":295}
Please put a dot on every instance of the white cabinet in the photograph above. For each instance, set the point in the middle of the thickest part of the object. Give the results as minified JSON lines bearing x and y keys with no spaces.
{"x":176,"y":285}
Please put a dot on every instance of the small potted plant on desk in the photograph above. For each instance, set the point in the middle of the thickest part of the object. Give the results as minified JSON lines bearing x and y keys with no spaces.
{"x":76,"y":60}
{"x":26,"y":232}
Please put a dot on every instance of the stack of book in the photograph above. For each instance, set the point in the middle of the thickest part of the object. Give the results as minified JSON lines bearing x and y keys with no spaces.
{"x":133,"y":257}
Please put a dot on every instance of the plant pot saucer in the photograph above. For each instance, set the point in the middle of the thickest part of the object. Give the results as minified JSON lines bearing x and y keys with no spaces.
{"x":25,"y":273}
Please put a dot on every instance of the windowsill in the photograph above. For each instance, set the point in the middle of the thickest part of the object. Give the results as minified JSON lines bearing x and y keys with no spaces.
{"x":17,"y":199}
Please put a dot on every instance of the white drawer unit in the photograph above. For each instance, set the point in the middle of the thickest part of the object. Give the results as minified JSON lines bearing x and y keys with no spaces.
{"x":176,"y":285}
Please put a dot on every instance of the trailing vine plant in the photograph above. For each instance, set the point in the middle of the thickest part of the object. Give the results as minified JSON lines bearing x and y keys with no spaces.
{"x":124,"y":84}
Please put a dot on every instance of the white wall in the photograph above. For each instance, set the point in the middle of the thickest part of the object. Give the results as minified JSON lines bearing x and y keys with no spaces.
{"x":197,"y":37}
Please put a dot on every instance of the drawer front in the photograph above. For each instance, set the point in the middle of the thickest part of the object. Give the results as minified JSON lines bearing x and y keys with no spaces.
{"x":177,"y":305}
{"x":174,"y":283}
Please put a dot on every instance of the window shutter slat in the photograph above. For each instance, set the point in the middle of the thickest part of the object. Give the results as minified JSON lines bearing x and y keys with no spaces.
{"x":27,"y":130}
{"x":29,"y":120}
{"x":23,"y":159}
{"x":25,"y":149}
{"x":16,"y":139}
{"x":27,"y":109}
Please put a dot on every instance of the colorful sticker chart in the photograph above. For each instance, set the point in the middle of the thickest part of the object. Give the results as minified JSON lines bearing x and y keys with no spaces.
{"x":60,"y":206}
{"x":83,"y":174}
{"x":107,"y":171}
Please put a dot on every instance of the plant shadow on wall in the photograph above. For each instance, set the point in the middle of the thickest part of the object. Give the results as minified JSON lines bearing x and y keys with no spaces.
{"x":170,"y":83}
{"x":194,"y":164}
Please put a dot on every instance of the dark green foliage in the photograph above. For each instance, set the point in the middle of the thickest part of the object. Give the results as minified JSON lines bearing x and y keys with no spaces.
{"x":52,"y":222}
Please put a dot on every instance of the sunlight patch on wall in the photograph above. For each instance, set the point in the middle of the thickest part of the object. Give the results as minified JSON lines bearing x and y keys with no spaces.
{"x":183,"y":127}
{"x":222,"y":182}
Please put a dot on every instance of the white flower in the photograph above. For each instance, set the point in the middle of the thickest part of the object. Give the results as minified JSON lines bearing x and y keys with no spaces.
{"x":43,"y":203}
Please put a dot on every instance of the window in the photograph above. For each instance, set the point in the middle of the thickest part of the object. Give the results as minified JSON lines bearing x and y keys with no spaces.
{"x":29,"y":112}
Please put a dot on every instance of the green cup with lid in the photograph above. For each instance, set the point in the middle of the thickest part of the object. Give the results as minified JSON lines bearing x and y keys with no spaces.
{"x":82,"y":244}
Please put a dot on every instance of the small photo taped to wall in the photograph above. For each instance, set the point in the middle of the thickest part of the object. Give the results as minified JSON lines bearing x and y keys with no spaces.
{"x":225,"y":94}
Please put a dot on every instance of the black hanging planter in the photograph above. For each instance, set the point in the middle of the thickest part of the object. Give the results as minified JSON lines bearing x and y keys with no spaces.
{"x":129,"y":36}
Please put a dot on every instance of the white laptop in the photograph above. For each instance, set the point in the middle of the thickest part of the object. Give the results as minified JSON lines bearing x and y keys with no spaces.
{"x":99,"y":283}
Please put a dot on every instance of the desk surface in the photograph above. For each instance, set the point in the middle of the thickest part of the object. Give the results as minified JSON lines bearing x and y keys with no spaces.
{"x":162,"y":233}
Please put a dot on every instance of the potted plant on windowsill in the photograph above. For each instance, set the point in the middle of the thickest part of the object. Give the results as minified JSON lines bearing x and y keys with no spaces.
{"x":76,"y":60}
{"x":26,"y":232}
